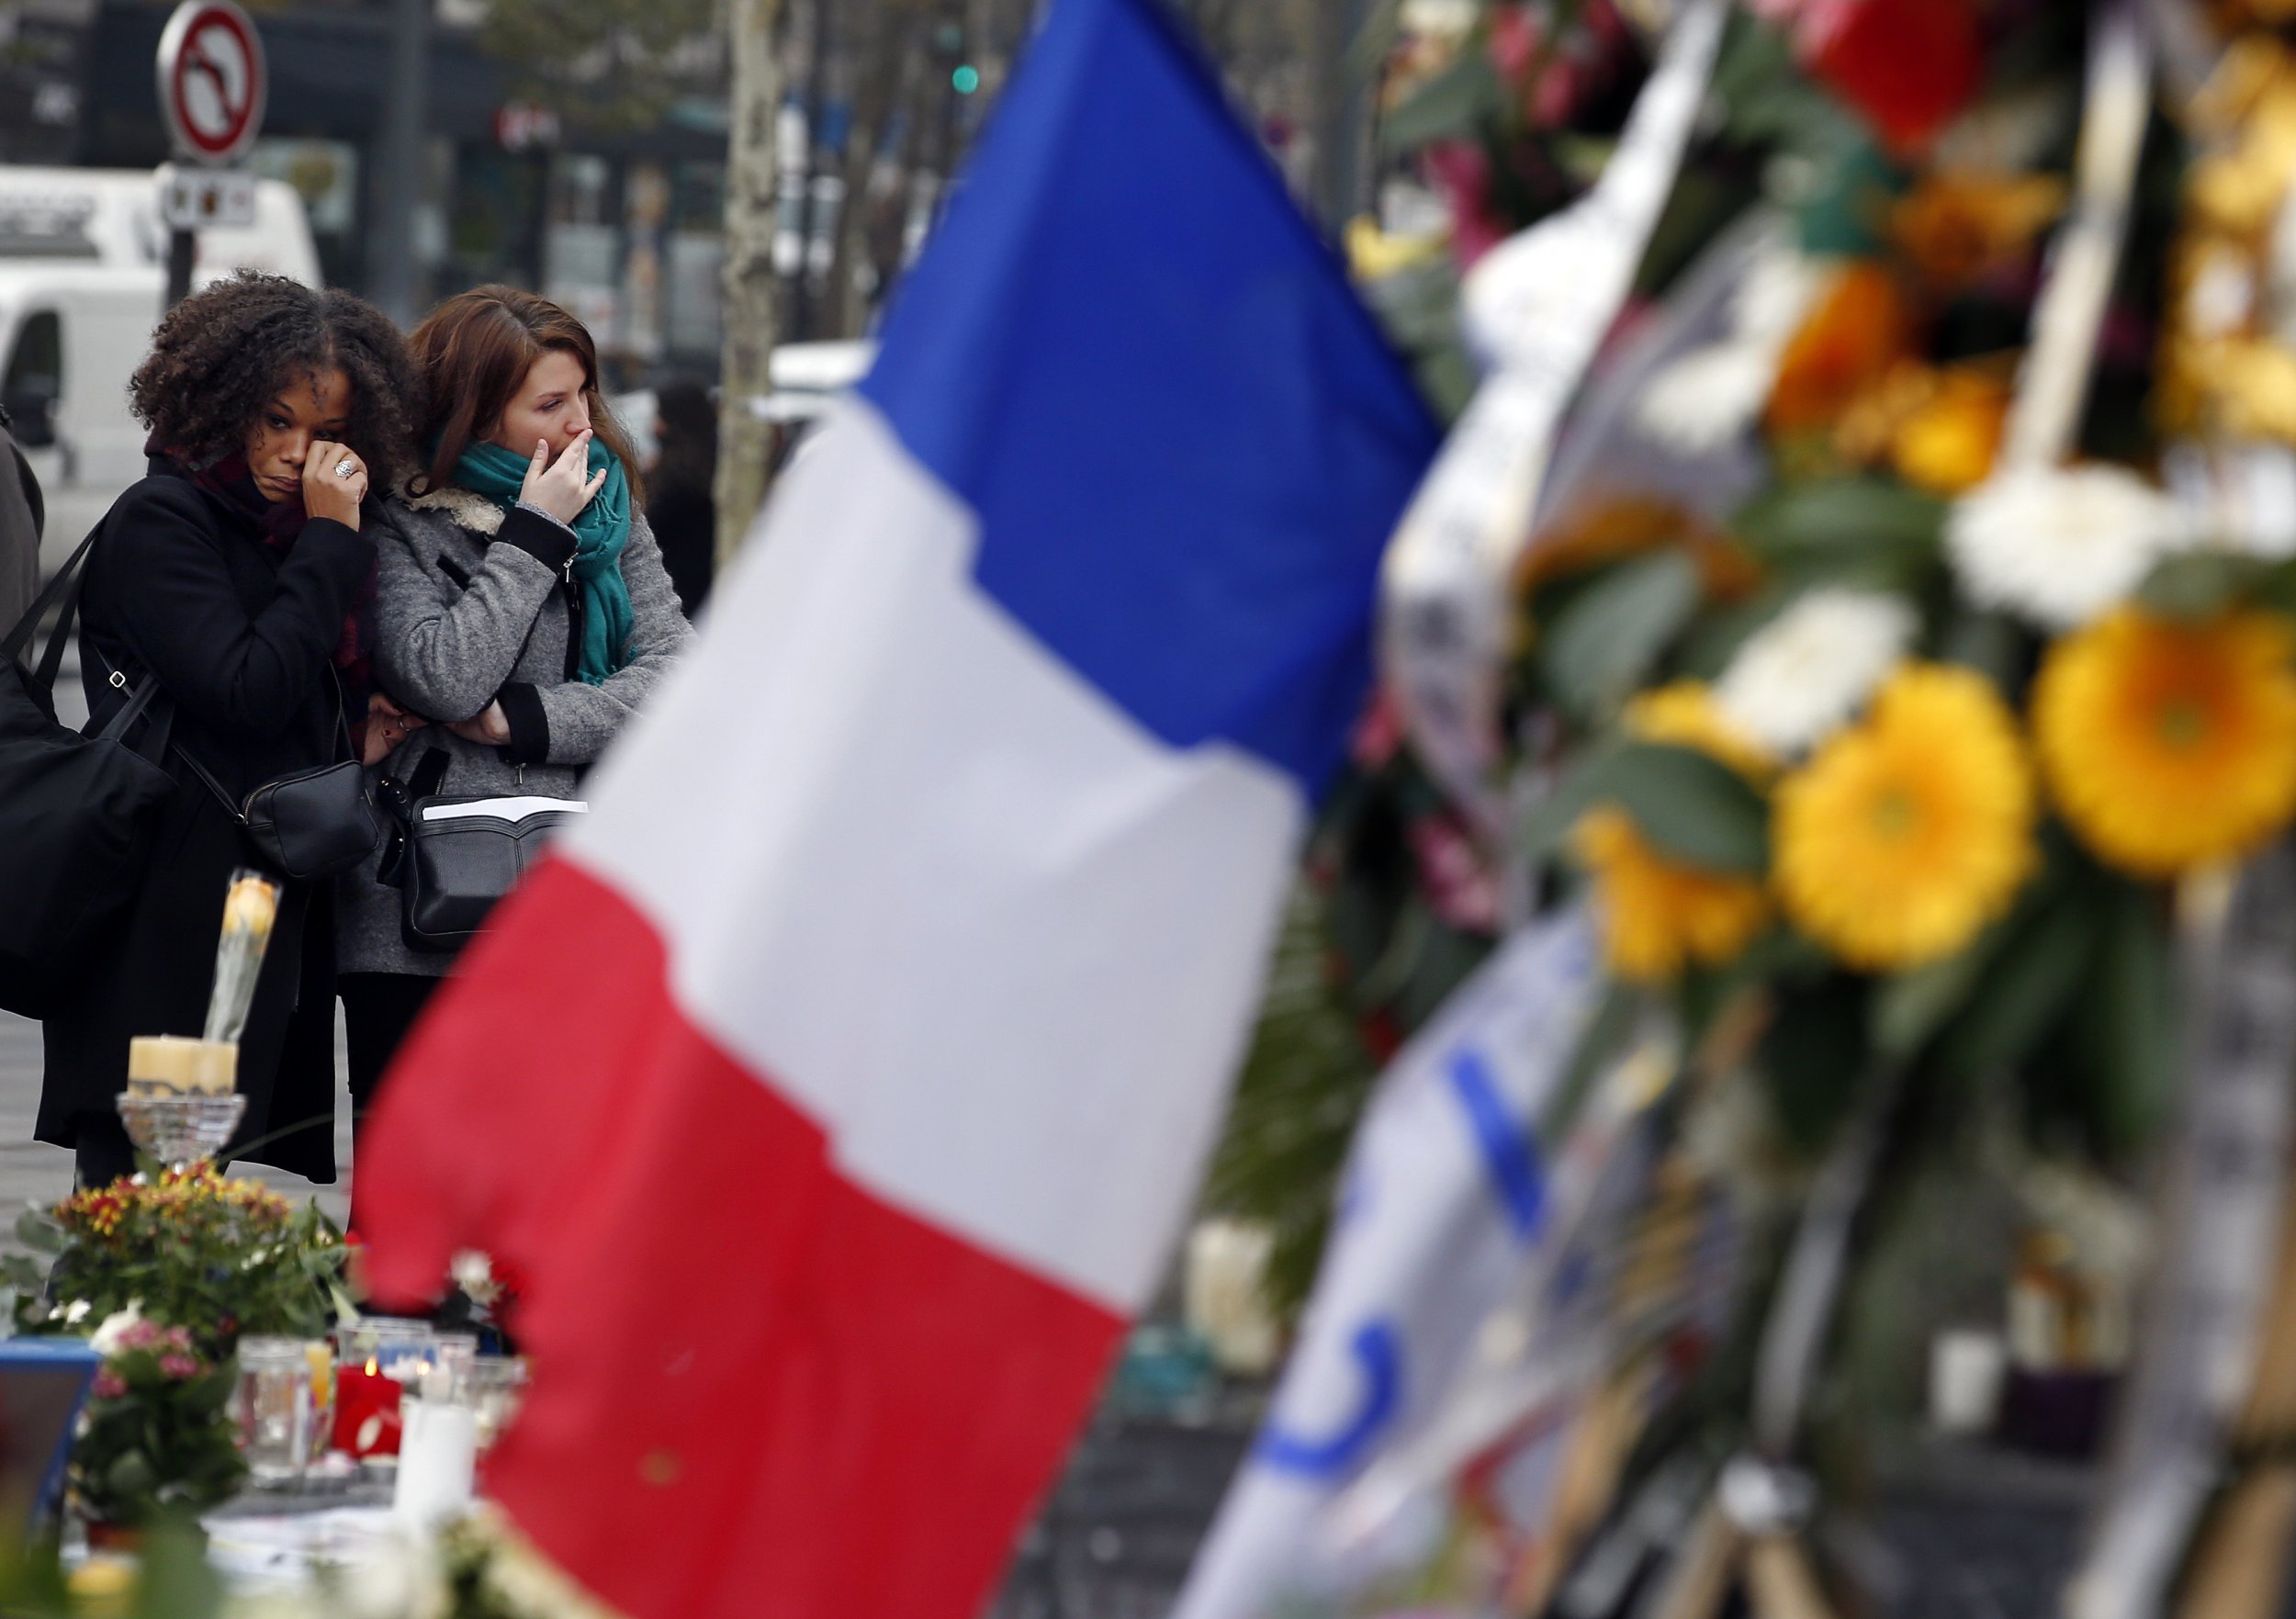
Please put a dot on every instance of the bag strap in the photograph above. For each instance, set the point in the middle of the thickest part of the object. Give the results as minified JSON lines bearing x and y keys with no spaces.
{"x":148,"y":695}
{"x":229,"y":806}
{"x":51,"y":661}
{"x":139,"y":703}
{"x":63,"y":588}
{"x":430,"y":773}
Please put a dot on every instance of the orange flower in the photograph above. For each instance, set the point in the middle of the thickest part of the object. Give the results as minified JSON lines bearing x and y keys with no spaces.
{"x":1956,"y":229}
{"x":1947,"y":444}
{"x":1859,"y":329}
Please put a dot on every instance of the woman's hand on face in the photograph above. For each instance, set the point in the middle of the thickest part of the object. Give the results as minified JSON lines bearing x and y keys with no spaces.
{"x":328,"y":490}
{"x":562,"y":488}
{"x":488,"y":727}
{"x":387,"y":725}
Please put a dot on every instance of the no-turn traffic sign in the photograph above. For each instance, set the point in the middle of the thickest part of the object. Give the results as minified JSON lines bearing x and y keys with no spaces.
{"x":211,"y":80}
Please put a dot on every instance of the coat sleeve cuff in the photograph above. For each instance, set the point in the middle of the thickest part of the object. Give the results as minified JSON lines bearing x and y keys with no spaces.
{"x":529,"y":724}
{"x":548,"y":543}
{"x":339,"y":543}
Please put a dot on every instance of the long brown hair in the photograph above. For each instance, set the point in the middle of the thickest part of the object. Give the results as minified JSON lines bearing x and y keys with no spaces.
{"x":475,"y":350}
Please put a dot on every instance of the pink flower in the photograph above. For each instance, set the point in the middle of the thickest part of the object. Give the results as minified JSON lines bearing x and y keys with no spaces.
{"x":108,"y":1385}
{"x":1813,"y":22}
{"x":1555,"y":81}
{"x":1379,"y":734}
{"x":1458,"y":884}
{"x":177,"y":1338}
{"x":142,"y":1335}
{"x":1460,"y":170}
{"x":178,"y":1366}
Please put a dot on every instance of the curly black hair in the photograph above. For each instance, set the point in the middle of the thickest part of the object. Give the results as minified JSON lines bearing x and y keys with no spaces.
{"x":221,"y":355}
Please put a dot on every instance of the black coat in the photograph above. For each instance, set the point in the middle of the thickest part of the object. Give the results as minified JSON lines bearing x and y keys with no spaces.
{"x":683,"y":516}
{"x":240,"y":635}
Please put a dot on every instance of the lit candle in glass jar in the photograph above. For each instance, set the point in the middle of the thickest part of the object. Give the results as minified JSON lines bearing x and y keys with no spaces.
{"x":366,"y":1411}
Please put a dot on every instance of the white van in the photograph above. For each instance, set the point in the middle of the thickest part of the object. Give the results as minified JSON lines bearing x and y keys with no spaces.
{"x":83,"y":271}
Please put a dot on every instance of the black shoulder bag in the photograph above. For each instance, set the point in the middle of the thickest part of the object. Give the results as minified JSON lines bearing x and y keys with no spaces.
{"x":76,"y":811}
{"x":312,"y":824}
{"x":455,"y":858}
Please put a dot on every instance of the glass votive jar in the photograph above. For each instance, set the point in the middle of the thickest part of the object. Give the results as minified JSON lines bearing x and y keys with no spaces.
{"x":376,"y":1357}
{"x":452,"y":1356}
{"x":278,"y":1412}
{"x":498,"y":1383}
{"x":321,"y":1353}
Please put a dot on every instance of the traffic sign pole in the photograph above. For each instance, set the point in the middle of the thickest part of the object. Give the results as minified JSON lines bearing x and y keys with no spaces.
{"x":182,"y":247}
{"x":212,"y":86}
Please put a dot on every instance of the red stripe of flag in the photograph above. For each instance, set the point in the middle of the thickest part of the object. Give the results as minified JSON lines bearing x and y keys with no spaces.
{"x":758,"y":1390}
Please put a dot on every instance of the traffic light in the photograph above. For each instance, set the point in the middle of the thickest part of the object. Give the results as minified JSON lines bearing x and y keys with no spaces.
{"x":967,"y":79}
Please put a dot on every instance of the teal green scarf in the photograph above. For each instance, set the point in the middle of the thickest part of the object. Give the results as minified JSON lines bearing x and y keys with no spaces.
{"x":601,"y":530}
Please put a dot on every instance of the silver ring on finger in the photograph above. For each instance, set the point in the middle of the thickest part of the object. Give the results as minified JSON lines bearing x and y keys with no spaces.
{"x":346,"y":469}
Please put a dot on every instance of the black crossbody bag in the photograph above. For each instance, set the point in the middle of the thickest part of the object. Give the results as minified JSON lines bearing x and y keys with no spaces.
{"x":454,"y":857}
{"x":306,"y":826}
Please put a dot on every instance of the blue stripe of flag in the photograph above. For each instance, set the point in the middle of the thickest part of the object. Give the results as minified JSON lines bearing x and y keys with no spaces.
{"x":1131,"y":356}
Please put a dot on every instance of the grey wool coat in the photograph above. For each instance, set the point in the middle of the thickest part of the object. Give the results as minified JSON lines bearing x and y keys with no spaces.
{"x":473,"y":607}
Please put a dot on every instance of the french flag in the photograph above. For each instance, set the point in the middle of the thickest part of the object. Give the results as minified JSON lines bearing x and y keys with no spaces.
{"x":840,"y":1086}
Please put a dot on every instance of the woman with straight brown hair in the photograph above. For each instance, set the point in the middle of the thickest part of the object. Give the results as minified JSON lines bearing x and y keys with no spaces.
{"x":521,"y":607}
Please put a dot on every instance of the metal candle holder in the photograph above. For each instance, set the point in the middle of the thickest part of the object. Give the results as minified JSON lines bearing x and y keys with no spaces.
{"x":181,"y":1131}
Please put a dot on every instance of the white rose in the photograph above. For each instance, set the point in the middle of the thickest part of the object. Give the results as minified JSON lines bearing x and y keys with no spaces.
{"x":114,"y":1327}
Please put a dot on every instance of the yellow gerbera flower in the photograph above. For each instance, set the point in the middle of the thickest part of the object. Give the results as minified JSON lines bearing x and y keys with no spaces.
{"x":1685,"y":714}
{"x":2170,"y":745}
{"x":1907,"y":833}
{"x":1659,"y":913}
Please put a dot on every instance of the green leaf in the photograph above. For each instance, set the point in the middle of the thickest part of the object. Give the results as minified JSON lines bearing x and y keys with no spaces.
{"x":129,"y":1478}
{"x":208,"y":1395}
{"x":1453,"y":102}
{"x":1813,"y":1055}
{"x":2276,"y":586}
{"x":1691,"y":806}
{"x":1987,"y":642}
{"x":1846,"y":207}
{"x":1910,"y":1007}
{"x":2198,"y":584}
{"x":1574,"y":793}
{"x":2128,"y":1015}
{"x":1606,"y":642}
{"x":37,"y":1231}
{"x":1870,"y":527}
{"x":2038,"y":968}
{"x":1686,"y":803}
{"x":176,"y":1581}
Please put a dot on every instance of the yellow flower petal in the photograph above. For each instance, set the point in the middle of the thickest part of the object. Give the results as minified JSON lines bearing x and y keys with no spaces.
{"x":2166,"y":745}
{"x":1685,"y":714}
{"x":1658,"y":914}
{"x":1907,"y":833}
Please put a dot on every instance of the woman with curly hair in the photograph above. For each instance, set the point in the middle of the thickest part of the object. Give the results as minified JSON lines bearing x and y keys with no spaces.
{"x":238,"y":576}
{"x":521,"y":602}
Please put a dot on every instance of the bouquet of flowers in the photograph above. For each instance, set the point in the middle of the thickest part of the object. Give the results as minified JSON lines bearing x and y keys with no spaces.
{"x":213,"y":1256}
{"x":1902,"y":666}
{"x":154,"y":1437}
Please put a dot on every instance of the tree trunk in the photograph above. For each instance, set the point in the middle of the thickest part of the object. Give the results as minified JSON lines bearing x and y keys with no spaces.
{"x":745,"y":440}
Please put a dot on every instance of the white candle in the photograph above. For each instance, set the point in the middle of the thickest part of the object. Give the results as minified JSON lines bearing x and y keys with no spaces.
{"x":1966,"y":1368}
{"x":438,"y":1449}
